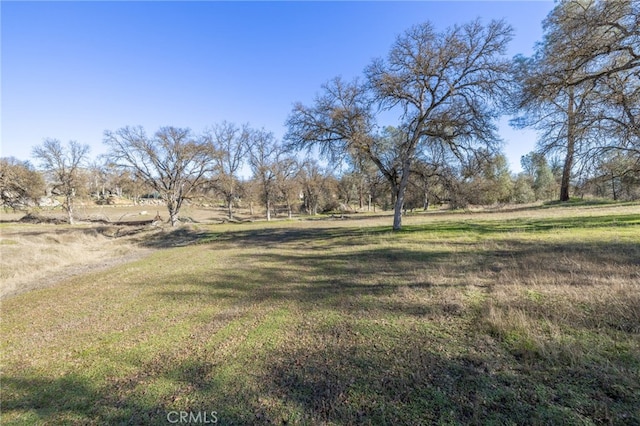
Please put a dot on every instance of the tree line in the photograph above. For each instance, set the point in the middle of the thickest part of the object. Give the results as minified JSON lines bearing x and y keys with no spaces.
{"x":580,"y":90}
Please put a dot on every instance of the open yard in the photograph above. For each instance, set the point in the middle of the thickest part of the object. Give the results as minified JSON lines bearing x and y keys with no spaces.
{"x":522,"y":316}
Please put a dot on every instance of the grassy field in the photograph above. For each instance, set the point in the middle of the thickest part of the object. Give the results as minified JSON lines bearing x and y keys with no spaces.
{"x":528,"y":316}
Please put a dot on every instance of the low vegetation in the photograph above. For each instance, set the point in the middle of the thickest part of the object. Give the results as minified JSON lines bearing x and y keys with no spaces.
{"x":35,"y":256}
{"x":529,"y":316}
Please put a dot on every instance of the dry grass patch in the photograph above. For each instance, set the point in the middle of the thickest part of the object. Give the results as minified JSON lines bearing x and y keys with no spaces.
{"x":37,"y":256}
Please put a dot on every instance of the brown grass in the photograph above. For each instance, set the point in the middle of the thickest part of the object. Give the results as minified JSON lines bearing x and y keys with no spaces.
{"x":36,"y":256}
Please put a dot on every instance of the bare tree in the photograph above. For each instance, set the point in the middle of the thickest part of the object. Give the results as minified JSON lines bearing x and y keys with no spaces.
{"x":172,"y":162}
{"x":617,"y":117}
{"x":617,"y":176}
{"x":230,"y":145}
{"x":582,"y":79}
{"x":447,"y":87}
{"x":314,"y":185}
{"x":63,"y":164}
{"x":287,"y":171}
{"x":98,"y":179}
{"x":264,"y":154}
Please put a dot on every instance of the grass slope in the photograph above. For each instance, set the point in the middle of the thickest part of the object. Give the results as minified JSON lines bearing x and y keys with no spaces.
{"x":525,"y":318}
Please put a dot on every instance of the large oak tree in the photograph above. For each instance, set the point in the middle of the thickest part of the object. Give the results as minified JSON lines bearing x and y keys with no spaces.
{"x":173,"y":161}
{"x":447,"y":88}
{"x":581,"y":86}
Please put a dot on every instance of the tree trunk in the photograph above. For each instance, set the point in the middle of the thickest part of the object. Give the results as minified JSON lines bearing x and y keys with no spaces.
{"x":69,"y":203}
{"x":230,"y":206}
{"x":173,"y":217}
{"x":566,"y":174}
{"x":397,"y":209}
{"x":398,"y":190}
{"x":571,"y":141}
{"x":268,"y":205}
{"x":173,"y":212}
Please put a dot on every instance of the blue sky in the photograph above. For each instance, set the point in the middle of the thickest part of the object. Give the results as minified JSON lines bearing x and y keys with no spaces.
{"x":71,"y":70}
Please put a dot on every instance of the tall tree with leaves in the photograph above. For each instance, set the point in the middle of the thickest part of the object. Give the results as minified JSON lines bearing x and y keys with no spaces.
{"x":173,"y":162}
{"x":446,"y":86}
{"x":20,"y":183}
{"x":537,"y":169}
{"x":589,"y":47}
{"x":63,"y":165}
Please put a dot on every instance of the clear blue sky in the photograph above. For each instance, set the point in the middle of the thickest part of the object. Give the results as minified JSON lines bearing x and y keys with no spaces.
{"x":71,"y":70}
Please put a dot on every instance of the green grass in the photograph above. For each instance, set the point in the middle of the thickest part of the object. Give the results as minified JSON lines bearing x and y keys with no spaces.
{"x":530,"y":318}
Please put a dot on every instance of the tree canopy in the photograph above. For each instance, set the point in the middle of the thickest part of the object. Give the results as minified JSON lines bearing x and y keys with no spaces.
{"x":20,"y":183}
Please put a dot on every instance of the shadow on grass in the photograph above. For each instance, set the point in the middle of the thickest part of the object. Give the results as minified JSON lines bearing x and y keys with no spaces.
{"x":329,"y":268}
{"x":526,"y":225}
{"x":361,"y":280}
{"x":270,"y":237}
{"x":71,"y":399}
{"x":179,"y":237}
{"x":343,"y":373}
{"x":264,"y":237}
{"x":75,"y":400}
{"x":354,"y":380}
